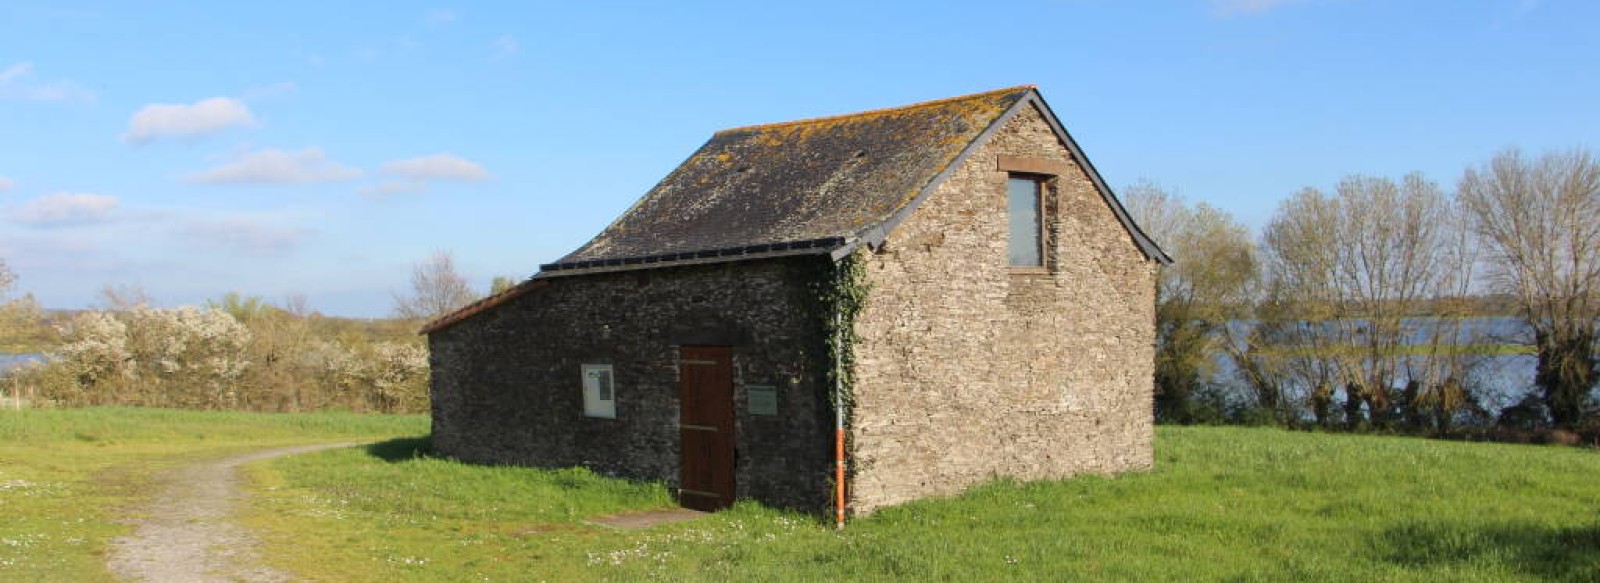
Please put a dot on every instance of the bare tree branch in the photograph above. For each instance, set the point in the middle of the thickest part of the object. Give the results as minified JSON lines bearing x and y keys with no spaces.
{"x":436,"y":289}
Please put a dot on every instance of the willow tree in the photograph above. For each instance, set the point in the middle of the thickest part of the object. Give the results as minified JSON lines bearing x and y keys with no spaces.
{"x":1206,"y":288}
{"x":1349,"y":272}
{"x":1538,"y":221}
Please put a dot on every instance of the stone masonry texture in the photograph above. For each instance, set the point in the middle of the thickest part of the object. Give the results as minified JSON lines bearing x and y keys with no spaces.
{"x":507,"y":388}
{"x":967,"y":370}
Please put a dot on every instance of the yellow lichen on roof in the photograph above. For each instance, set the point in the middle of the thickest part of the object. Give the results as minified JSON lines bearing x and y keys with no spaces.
{"x":770,"y":139}
{"x":812,"y":179}
{"x":975,"y":106}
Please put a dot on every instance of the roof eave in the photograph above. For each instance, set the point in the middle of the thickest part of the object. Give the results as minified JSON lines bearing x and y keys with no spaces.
{"x":825,"y":246}
{"x":641,"y":266}
{"x":482,"y":305}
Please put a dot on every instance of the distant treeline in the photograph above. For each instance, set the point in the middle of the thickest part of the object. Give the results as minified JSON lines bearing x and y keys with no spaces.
{"x":234,"y":354}
{"x":1353,"y":309}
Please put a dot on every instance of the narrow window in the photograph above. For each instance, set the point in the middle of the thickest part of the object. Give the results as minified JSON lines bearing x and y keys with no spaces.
{"x":599,"y":391}
{"x":1022,"y":211}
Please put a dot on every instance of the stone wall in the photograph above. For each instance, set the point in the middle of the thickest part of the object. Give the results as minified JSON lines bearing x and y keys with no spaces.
{"x":507,"y":389}
{"x":967,"y":369}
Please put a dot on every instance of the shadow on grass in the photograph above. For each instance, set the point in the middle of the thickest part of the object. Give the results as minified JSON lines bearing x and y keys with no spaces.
{"x":1552,"y":554}
{"x":402,"y":449}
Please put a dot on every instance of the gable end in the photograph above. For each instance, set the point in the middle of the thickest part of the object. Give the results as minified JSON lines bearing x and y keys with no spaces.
{"x":875,"y":235}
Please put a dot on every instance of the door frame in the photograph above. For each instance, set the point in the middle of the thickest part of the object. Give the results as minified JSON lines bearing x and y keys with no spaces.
{"x":706,"y":427}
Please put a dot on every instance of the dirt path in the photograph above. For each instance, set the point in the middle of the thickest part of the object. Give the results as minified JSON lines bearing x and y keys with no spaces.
{"x":187,"y":532}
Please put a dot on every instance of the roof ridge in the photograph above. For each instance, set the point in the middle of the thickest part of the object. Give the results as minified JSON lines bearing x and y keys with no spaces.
{"x":879,"y":111}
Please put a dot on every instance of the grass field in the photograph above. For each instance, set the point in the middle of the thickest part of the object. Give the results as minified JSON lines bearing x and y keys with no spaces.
{"x":67,"y":476}
{"x":1223,"y":504}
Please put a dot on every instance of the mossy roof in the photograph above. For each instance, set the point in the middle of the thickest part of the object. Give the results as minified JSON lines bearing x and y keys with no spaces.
{"x":813,"y":184}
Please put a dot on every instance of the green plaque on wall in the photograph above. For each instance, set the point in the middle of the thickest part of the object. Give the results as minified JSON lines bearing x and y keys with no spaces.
{"x":762,"y":400}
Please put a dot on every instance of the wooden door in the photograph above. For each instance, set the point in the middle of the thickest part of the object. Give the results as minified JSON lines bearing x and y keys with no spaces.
{"x":705,"y":426}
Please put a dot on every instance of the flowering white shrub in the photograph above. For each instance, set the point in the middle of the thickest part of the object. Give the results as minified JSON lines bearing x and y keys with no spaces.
{"x":205,"y":344}
{"x":95,"y":354}
{"x":208,"y":359}
{"x":399,"y":375}
{"x":383,"y":376}
{"x":148,"y":356}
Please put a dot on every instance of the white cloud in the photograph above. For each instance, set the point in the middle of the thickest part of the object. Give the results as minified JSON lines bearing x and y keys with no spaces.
{"x":6,"y":184}
{"x":15,"y":72}
{"x":506,"y":46}
{"x":176,"y":120}
{"x":16,"y":83}
{"x":437,"y":167}
{"x":64,"y":208}
{"x":305,"y":166}
{"x":246,"y":235}
{"x":390,"y":188}
{"x":1231,"y":7}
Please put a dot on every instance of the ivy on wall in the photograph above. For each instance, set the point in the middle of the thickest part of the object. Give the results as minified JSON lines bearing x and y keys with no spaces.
{"x":841,"y":290}
{"x":841,"y":293}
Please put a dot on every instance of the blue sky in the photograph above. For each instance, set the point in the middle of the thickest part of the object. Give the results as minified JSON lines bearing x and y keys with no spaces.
{"x":321,"y":148}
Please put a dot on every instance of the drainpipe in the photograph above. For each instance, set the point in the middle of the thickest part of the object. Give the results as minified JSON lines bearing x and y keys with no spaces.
{"x":838,"y":420}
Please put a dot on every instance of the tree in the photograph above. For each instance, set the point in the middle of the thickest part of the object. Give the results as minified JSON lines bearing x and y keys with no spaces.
{"x":247,"y":309}
{"x":19,"y":318}
{"x":123,"y":297}
{"x":1348,"y":272}
{"x":1198,"y":297}
{"x":501,"y":283}
{"x":7,"y":278}
{"x":1537,"y":220}
{"x":436,"y":289}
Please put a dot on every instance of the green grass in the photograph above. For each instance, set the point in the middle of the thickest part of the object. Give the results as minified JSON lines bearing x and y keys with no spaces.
{"x":67,"y":476}
{"x":1222,"y":504}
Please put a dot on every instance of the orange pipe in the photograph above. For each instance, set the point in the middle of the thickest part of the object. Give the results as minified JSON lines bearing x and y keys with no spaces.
{"x":838,"y":477}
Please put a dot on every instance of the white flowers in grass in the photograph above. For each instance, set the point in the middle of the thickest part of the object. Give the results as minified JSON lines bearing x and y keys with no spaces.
{"x":618,"y":557}
{"x":655,"y":547}
{"x":22,"y":541}
{"x":15,"y":485}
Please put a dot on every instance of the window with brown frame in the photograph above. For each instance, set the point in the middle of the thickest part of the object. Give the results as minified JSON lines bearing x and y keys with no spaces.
{"x":1025,"y":220}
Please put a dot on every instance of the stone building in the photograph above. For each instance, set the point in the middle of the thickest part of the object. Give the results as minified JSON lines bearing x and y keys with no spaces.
{"x":993,"y":301}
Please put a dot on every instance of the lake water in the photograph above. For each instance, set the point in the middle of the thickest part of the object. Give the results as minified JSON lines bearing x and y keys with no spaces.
{"x":1501,"y":379}
{"x":10,"y":361}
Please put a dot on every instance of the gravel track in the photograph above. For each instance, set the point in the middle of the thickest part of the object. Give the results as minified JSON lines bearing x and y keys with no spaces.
{"x":187,"y":532}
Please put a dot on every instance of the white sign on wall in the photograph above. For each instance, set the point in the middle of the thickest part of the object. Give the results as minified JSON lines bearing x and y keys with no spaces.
{"x":599,"y":391}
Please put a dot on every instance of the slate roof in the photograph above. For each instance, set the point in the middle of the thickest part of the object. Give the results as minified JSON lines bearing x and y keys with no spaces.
{"x":801,"y":185}
{"x":815,"y":186}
